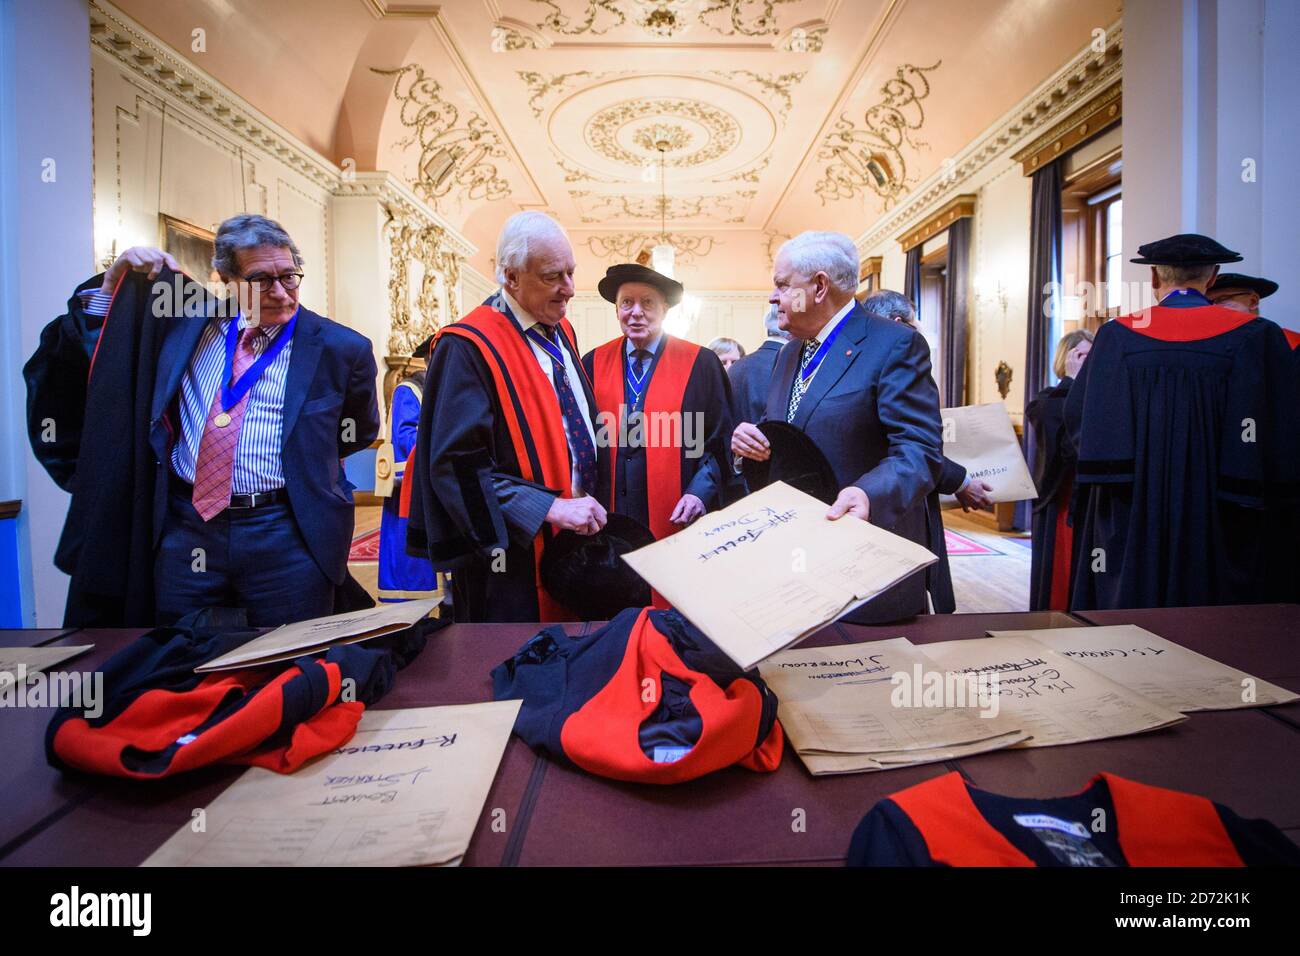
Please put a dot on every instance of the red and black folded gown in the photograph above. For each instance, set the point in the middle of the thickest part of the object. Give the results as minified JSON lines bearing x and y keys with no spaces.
{"x":159,"y":718}
{"x":1113,"y":822}
{"x":1188,"y":460}
{"x":646,"y":698}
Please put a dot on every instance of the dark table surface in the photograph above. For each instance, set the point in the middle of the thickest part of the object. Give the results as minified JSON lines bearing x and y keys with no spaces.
{"x":556,"y":814}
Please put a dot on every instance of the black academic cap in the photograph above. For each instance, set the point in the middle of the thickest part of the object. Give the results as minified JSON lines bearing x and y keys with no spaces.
{"x":587,"y":574}
{"x":422,"y":350}
{"x":615,"y":276}
{"x":795,"y":460}
{"x":1185,"y":249}
{"x":1236,"y":280}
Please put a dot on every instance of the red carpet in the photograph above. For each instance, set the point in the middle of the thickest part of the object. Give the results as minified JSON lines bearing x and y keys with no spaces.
{"x":960,"y":545}
{"x":365,"y":547}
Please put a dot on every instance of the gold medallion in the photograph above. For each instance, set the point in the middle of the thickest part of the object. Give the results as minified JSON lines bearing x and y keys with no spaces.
{"x":222,"y":420}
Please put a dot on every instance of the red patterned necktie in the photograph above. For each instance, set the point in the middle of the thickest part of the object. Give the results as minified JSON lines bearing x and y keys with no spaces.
{"x":216,"y":464}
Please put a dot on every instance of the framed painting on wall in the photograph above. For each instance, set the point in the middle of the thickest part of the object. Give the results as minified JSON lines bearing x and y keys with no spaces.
{"x":190,"y":245}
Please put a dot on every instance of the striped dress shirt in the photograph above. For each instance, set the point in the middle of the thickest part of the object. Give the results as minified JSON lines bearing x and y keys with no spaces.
{"x":258,"y":465}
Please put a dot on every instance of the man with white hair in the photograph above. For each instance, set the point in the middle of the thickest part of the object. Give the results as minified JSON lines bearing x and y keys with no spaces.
{"x":862,"y":391}
{"x":506,"y":453}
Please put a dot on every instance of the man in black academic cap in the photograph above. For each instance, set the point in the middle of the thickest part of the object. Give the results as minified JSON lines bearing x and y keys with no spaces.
{"x":663,"y":407}
{"x":1237,"y":291}
{"x":1187,"y":447}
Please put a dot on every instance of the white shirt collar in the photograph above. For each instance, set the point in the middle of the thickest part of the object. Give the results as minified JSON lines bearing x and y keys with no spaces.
{"x":525,"y":319}
{"x":836,"y":320}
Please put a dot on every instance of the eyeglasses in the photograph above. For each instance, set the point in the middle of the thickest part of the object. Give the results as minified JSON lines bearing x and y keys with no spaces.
{"x":289,"y":281}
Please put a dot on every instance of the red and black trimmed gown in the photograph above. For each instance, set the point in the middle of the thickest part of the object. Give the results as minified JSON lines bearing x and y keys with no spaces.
{"x":1184,"y":417}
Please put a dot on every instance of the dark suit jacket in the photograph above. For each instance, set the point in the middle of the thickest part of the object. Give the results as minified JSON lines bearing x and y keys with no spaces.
{"x":749,"y":380}
{"x":873,"y":410}
{"x":330,"y":411}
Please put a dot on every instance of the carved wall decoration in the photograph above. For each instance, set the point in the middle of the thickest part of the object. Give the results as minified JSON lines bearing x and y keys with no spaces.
{"x":751,"y":18}
{"x":871,"y":157}
{"x":627,"y":246}
{"x":664,"y":18}
{"x":808,"y":38}
{"x":713,"y":132}
{"x":776,"y":86}
{"x":451,"y":157}
{"x":423,"y":285}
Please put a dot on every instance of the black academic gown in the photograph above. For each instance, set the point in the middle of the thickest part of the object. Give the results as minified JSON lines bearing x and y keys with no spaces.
{"x":1185,"y":450}
{"x":466,"y":469}
{"x":708,"y":395}
{"x":938,"y":576}
{"x":1053,"y":470}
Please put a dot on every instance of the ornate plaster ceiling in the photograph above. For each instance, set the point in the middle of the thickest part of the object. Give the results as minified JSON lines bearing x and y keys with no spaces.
{"x":780,"y":115}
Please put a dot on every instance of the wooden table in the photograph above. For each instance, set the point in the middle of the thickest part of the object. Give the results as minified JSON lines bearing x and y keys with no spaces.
{"x":556,"y":814}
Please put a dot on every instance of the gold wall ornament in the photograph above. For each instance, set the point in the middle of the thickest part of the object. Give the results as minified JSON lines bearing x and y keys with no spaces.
{"x":721,"y":128}
{"x":451,"y":157}
{"x":627,"y":246}
{"x":597,"y":20}
{"x":872,"y":157}
{"x":1003,"y":375}
{"x":751,"y":18}
{"x":415,"y":314}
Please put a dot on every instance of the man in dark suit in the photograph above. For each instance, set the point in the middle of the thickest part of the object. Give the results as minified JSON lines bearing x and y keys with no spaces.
{"x":251,"y":405}
{"x":862,"y":391}
{"x":953,"y":480}
{"x":750,"y":376}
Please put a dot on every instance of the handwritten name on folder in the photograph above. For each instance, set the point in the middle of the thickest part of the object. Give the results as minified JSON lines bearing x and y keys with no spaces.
{"x":406,"y":790}
{"x":770,"y":570}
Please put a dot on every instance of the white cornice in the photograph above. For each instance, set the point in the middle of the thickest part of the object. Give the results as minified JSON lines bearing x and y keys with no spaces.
{"x":1086,"y":74}
{"x":150,"y":59}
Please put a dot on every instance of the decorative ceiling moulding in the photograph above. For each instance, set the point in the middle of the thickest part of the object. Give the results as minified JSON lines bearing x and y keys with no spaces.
{"x":1087,"y":74}
{"x":777,"y":86}
{"x":147,"y":57}
{"x":1099,"y":113}
{"x":402,"y":204}
{"x":626,"y":132}
{"x":382,"y":10}
{"x":606,"y":128}
{"x":727,"y":207}
{"x":711,"y":24}
{"x":542,"y":87}
{"x":961,"y":207}
{"x":871,"y":157}
{"x":452,"y":156}
{"x":632,"y":246}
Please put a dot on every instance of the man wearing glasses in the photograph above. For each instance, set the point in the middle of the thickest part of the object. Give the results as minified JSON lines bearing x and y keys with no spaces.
{"x":253,"y":403}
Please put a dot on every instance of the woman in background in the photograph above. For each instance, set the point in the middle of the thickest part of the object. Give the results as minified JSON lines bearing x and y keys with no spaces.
{"x":728,"y":351}
{"x":1054,"y":460}
{"x":404,"y":577}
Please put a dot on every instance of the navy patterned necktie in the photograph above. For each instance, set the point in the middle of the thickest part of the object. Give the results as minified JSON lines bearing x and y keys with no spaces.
{"x":801,"y":386}
{"x":575,"y":425}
